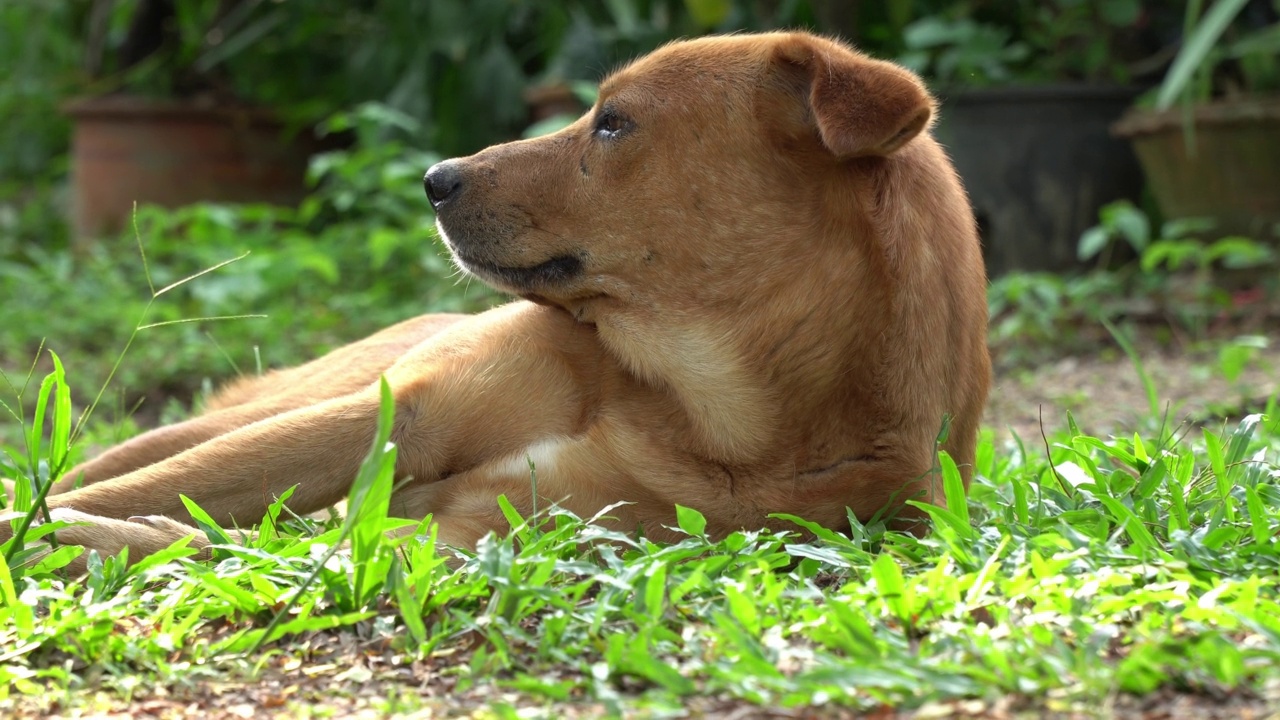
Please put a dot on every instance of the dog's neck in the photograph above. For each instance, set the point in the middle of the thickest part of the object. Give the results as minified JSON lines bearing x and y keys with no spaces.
{"x":732,"y":410}
{"x":744,"y":364}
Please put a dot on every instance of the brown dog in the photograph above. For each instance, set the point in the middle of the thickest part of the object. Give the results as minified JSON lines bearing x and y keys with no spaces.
{"x":753,"y":285}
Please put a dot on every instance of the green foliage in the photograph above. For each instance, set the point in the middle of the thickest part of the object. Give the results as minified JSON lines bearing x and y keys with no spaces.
{"x":53,"y":400}
{"x":1179,"y":247}
{"x":1079,"y":39}
{"x":459,"y":67}
{"x":1179,"y":277}
{"x":980,"y":44}
{"x":1209,"y":41}
{"x":31,"y":481}
{"x":1237,"y":354}
{"x":1033,"y":314}
{"x":1119,"y":220}
{"x":962,"y":51}
{"x":41,"y":61}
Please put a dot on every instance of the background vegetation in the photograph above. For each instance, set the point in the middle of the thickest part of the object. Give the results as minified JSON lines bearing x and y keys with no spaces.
{"x":419,"y":81}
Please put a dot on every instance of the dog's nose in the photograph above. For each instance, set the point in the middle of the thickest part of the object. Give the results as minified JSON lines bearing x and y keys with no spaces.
{"x":442,"y":181}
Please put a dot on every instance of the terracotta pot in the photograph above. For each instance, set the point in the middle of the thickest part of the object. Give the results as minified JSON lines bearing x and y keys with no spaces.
{"x":1231,"y":173}
{"x":127,"y":149}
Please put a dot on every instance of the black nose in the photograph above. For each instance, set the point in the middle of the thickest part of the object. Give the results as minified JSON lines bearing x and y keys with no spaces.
{"x":442,"y":181}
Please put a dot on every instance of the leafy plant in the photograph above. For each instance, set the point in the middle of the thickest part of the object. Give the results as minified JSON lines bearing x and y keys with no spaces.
{"x":1207,"y":44}
{"x":1239,"y":353}
{"x":44,"y":464}
{"x":962,"y":51}
{"x":41,"y":62}
{"x":980,"y":44}
{"x":1178,"y":278}
{"x":1078,"y":40}
{"x":459,"y":67}
{"x":1178,"y":247}
{"x":1118,"y":221}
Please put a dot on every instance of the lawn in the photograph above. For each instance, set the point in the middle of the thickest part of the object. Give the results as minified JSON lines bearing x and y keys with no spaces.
{"x":1079,"y":574}
{"x":1122,"y":565}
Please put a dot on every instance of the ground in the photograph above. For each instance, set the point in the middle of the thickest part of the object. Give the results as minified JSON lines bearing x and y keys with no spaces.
{"x":357,"y":685}
{"x":1104,"y":391}
{"x":354,"y":672}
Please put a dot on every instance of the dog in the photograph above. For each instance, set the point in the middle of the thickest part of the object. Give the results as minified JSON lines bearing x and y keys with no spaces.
{"x":749,"y":282}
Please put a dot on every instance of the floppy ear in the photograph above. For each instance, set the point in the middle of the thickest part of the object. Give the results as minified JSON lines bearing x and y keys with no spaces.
{"x":861,"y":106}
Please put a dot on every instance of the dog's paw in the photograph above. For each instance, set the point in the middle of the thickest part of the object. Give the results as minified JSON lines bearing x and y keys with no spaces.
{"x":108,"y":536}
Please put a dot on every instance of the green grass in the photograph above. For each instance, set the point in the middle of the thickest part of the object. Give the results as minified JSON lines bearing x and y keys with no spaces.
{"x":1071,"y":575}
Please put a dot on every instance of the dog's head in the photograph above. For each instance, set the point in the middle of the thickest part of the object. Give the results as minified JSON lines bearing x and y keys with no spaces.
{"x":701,"y":167}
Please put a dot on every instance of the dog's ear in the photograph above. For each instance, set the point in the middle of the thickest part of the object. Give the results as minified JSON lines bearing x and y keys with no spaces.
{"x":861,"y":106}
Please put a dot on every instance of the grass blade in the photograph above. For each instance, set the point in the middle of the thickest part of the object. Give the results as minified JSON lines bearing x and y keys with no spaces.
{"x":1196,"y":48}
{"x":953,"y":488}
{"x":1148,"y":385}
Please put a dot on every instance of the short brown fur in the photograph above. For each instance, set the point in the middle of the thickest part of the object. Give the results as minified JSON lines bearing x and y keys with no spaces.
{"x":756,"y":288}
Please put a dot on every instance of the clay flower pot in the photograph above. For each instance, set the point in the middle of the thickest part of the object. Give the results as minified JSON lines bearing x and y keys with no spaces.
{"x":127,"y":149}
{"x":1230,"y":173}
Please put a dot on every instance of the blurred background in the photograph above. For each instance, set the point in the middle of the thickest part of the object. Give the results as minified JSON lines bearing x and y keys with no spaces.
{"x":1122,"y":157}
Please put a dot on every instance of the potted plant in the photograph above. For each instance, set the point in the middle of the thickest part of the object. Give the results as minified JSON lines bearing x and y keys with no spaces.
{"x":174,"y":113}
{"x":1209,"y":139}
{"x":1028,"y":92}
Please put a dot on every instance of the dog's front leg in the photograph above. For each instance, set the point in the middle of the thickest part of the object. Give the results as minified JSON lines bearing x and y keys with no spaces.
{"x":108,"y":536}
{"x":235,"y":476}
{"x":503,"y":381}
{"x":164,"y":442}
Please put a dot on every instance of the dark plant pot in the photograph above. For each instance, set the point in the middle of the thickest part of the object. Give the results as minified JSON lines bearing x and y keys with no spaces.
{"x":127,"y":149}
{"x":1038,"y":163}
{"x":1230,"y":174}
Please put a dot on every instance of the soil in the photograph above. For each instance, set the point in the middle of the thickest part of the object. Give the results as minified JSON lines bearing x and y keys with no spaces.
{"x":1104,"y":391}
{"x":359,"y":683}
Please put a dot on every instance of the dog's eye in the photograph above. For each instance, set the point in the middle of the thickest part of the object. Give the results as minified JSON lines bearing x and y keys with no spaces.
{"x":609,"y":123}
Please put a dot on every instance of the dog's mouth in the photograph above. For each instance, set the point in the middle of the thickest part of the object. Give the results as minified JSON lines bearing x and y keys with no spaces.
{"x":547,"y":274}
{"x":519,"y":279}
